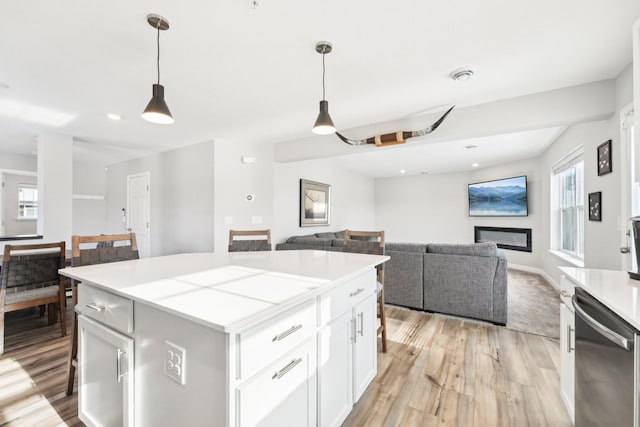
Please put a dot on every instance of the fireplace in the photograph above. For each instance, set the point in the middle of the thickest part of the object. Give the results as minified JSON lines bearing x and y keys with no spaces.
{"x":517,"y":239}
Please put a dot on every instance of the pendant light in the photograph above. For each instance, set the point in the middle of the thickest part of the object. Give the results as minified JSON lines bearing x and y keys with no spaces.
{"x":157,"y":110}
{"x":324,"y":124}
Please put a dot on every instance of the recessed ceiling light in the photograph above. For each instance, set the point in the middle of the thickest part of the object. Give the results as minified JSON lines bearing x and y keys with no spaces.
{"x":114,"y":116}
{"x":470,"y":147}
{"x":403,"y":171}
{"x":461,"y":75}
{"x":475,"y":165}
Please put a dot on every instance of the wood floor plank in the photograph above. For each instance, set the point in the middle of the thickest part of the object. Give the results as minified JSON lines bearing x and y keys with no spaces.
{"x":438,"y":371}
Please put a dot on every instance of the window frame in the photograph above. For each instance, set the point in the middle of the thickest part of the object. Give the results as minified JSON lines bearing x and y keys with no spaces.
{"x":573,"y":205}
{"x":27,"y":204}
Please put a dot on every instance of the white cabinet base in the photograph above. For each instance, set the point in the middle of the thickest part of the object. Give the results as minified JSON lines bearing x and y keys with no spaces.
{"x":567,"y":358}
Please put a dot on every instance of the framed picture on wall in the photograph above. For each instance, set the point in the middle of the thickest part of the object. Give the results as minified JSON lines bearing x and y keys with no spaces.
{"x":315,"y":199}
{"x":595,"y":206}
{"x":604,"y":158}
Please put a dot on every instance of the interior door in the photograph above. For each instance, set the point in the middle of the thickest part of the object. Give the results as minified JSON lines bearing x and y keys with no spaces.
{"x":138,"y":208}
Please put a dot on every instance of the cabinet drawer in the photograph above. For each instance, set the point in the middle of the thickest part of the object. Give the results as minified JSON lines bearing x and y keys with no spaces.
{"x":284,"y":394}
{"x":344,"y":297}
{"x":262,"y":344}
{"x":105,"y":307}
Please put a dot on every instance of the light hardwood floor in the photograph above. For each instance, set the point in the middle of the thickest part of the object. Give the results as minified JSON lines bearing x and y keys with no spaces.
{"x":439,"y":371}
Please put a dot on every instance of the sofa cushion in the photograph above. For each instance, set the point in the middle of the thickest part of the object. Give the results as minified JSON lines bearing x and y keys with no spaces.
{"x":309,"y":240}
{"x":337,"y":243}
{"x":403,"y":278}
{"x":406,"y":247}
{"x":474,"y":249}
{"x":329,"y":235}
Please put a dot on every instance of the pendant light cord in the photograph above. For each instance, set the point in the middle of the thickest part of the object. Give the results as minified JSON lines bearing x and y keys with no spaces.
{"x":158,"y":60}
{"x":323,"y":72}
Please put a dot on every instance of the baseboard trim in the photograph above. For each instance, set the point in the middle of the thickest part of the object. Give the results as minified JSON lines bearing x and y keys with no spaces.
{"x":536,"y":271}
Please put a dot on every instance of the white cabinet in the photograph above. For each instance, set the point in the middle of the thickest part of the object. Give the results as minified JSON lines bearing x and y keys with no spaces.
{"x":283,"y":394}
{"x":567,"y":351}
{"x":105,"y":375}
{"x":347,"y":355}
{"x":364,"y":346}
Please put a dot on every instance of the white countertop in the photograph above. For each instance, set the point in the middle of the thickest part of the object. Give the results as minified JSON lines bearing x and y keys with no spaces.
{"x":227,"y":291}
{"x":612,"y":288}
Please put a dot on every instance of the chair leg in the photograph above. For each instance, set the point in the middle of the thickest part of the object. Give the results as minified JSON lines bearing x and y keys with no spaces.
{"x":52,"y":313}
{"x":1,"y":331}
{"x":42,"y":308}
{"x":63,"y":318}
{"x":73,"y":347}
{"x":383,"y":321}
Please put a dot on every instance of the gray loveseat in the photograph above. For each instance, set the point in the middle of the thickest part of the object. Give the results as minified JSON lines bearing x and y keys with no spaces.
{"x":467,"y":280}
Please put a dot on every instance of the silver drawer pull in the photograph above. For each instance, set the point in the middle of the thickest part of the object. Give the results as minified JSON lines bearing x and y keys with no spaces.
{"x":282,"y":372}
{"x":357,"y":292}
{"x":286,"y":333}
{"x":96,"y":307}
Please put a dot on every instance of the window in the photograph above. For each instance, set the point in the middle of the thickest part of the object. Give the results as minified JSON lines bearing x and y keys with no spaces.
{"x":570,"y":181}
{"x":27,"y":201}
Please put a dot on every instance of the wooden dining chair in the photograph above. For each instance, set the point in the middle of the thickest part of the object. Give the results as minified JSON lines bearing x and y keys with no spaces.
{"x":30,"y":278}
{"x":89,"y":250}
{"x":371,"y":242}
{"x":261,"y":240}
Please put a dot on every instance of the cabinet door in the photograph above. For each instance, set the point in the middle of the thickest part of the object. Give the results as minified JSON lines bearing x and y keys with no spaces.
{"x":335,"y":375}
{"x":365,"y":346}
{"x":284,"y":394}
{"x":105,"y":375}
{"x":567,"y":351}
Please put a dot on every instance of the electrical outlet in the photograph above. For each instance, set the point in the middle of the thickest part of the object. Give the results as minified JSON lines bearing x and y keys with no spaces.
{"x":174,"y":362}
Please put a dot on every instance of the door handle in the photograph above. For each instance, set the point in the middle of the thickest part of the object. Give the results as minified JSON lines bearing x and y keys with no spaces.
{"x":625,"y":250}
{"x":356,"y":292}
{"x":286,"y":333}
{"x":119,"y":373}
{"x":361,"y":317}
{"x":96,"y":307}
{"x":601,"y":329}
{"x":569,"y":330}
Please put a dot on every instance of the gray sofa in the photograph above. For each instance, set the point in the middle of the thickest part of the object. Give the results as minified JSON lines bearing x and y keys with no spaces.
{"x":468,"y":280}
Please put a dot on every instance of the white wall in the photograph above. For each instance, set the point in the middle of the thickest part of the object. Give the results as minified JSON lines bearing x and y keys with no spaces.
{"x":181,"y":193}
{"x":352,"y":198}
{"x":18,"y":162}
{"x":601,"y":238}
{"x":423,"y":208}
{"x":435,"y":208}
{"x":89,"y":214}
{"x":235,"y":180}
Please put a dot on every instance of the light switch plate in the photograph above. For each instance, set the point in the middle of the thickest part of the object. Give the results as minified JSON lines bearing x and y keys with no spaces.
{"x":256,"y":220}
{"x":174,"y":362}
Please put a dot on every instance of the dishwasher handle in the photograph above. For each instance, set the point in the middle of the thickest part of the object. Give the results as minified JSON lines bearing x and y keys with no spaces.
{"x":600,"y":328}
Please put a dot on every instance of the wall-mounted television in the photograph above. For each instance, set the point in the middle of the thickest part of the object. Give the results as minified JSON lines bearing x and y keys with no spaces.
{"x":500,"y":197}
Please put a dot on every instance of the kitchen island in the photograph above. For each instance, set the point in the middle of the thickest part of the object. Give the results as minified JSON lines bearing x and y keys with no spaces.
{"x":226,"y":339}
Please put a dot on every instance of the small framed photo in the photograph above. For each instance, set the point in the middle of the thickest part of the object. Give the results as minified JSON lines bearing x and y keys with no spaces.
{"x":315,"y":199}
{"x":604,"y":158}
{"x":595,"y":206}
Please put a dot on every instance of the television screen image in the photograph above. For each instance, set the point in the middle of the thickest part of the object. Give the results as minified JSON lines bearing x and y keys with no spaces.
{"x":502,"y":197}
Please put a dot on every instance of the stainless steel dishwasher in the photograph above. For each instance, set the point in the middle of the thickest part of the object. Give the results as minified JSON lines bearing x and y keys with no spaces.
{"x":606,"y":369}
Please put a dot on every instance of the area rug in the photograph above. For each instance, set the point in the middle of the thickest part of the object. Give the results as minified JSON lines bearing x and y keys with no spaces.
{"x":533,"y":305}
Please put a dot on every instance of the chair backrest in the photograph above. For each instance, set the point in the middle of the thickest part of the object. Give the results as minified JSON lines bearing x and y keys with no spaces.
{"x":241,"y":245}
{"x":365,"y":242}
{"x":89,"y":250}
{"x":27,"y":267}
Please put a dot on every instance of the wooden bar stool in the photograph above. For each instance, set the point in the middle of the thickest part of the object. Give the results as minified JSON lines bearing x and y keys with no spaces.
{"x":102,"y":249}
{"x":263,"y":243}
{"x":371,"y":242}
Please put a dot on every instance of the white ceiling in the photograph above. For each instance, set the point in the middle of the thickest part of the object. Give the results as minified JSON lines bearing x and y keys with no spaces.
{"x":233,"y":73}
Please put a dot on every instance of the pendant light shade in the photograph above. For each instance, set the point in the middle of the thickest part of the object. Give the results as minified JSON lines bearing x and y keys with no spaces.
{"x":324,"y":124}
{"x":157,"y":110}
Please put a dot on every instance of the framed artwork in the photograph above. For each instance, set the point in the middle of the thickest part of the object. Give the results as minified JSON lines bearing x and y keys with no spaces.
{"x":604,"y":158}
{"x":315,"y":199}
{"x":595,"y":206}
